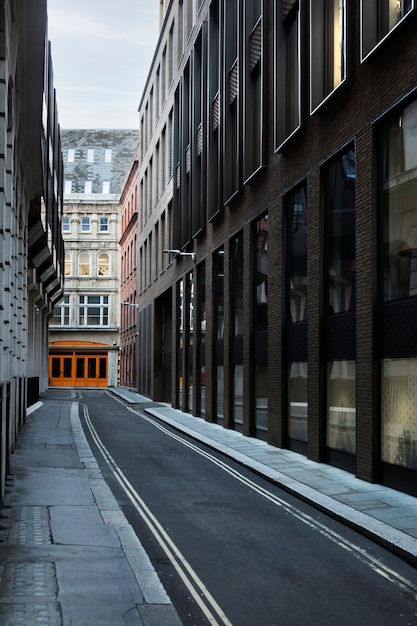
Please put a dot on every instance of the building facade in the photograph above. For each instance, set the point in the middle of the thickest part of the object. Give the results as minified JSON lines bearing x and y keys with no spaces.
{"x":128,"y":280}
{"x":31,"y":245}
{"x":278,"y":143}
{"x":84,"y":331}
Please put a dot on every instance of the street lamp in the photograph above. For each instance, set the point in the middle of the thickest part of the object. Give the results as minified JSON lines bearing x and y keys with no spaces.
{"x":130,"y":304}
{"x":180,"y":253}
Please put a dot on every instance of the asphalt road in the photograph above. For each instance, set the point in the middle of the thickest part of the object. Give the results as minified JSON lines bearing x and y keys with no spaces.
{"x":231,"y":548}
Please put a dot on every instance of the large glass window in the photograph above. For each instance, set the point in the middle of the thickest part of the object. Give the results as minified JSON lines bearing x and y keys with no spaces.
{"x":103,"y":264}
{"x":61,"y":315}
{"x":261,"y":273}
{"x":84,"y":264}
{"x":260,"y":365}
{"x":379,"y":18}
{"x":93,"y":310}
{"x":85,"y":224}
{"x":104,"y":224}
{"x":399,"y":412}
{"x":202,"y":321}
{"x":236,"y":267}
{"x":341,"y":406}
{"x":399,"y":198}
{"x":218,"y":267}
{"x":261,"y":397}
{"x":180,"y":340}
{"x":236,"y":291}
{"x":254,"y":136}
{"x":67,"y":264}
{"x":297,"y":401}
{"x":288,"y":68}
{"x":190,"y":337}
{"x":328,"y":48}
{"x":339,"y":201}
{"x":297,"y":255}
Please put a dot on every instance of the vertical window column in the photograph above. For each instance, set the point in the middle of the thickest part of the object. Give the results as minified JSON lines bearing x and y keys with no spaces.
{"x":260,"y":339}
{"x":397,"y":313}
{"x":254,"y":137}
{"x":296,"y":316}
{"x":288,"y":72}
{"x":218,"y":309}
{"x":339,"y":199}
{"x":236,"y":323}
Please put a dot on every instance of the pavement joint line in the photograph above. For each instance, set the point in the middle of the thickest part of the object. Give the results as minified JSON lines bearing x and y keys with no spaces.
{"x":146,"y":576}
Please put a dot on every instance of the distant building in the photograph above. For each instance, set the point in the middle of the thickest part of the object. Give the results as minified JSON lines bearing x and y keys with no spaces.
{"x":293,"y":179}
{"x":128,"y":280}
{"x":31,"y":245}
{"x":84,"y":332}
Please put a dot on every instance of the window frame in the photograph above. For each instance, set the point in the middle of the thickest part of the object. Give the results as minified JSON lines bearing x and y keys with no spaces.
{"x":86,"y":255}
{"x":289,"y":204}
{"x":104,"y":223}
{"x":369,"y":10}
{"x":328,"y":225}
{"x":67,"y":263}
{"x":380,"y":130}
{"x":83,"y":224}
{"x":254,"y":150}
{"x":66,"y":224}
{"x":84,"y":305}
{"x":102,"y":254}
{"x":318,"y":33}
{"x":63,"y":312}
{"x":281,"y":112}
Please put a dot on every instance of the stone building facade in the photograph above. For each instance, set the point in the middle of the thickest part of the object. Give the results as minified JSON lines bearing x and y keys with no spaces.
{"x":278,"y":145}
{"x":84,"y":335}
{"x":31,"y":244}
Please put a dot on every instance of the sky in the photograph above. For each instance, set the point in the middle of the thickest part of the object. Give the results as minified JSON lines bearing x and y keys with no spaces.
{"x":101,"y":56}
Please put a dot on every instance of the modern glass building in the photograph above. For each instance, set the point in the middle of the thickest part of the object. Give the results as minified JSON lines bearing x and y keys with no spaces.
{"x":277,"y":226}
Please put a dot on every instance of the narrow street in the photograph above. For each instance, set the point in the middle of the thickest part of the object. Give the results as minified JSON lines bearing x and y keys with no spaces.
{"x":232,"y":548}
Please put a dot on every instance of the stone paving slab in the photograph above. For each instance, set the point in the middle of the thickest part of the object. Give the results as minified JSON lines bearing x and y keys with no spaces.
{"x":68,"y":556}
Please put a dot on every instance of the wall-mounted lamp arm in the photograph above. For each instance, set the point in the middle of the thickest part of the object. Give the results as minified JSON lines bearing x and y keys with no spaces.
{"x":179,"y":253}
{"x":130,"y":304}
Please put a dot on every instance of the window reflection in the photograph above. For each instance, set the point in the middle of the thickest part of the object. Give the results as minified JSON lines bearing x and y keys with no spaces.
{"x":341,"y":406}
{"x":262,"y":271}
{"x":399,"y":412}
{"x":400,"y":205}
{"x":297,"y":255}
{"x":297,"y":401}
{"x":339,"y":197}
{"x":237,"y":284}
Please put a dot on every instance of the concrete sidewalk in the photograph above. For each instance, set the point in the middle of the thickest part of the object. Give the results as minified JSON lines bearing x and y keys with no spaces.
{"x":386,"y":515}
{"x":68,"y":556}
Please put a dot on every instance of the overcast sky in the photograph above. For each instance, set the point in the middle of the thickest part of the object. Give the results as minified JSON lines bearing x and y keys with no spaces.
{"x":101,"y":55}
